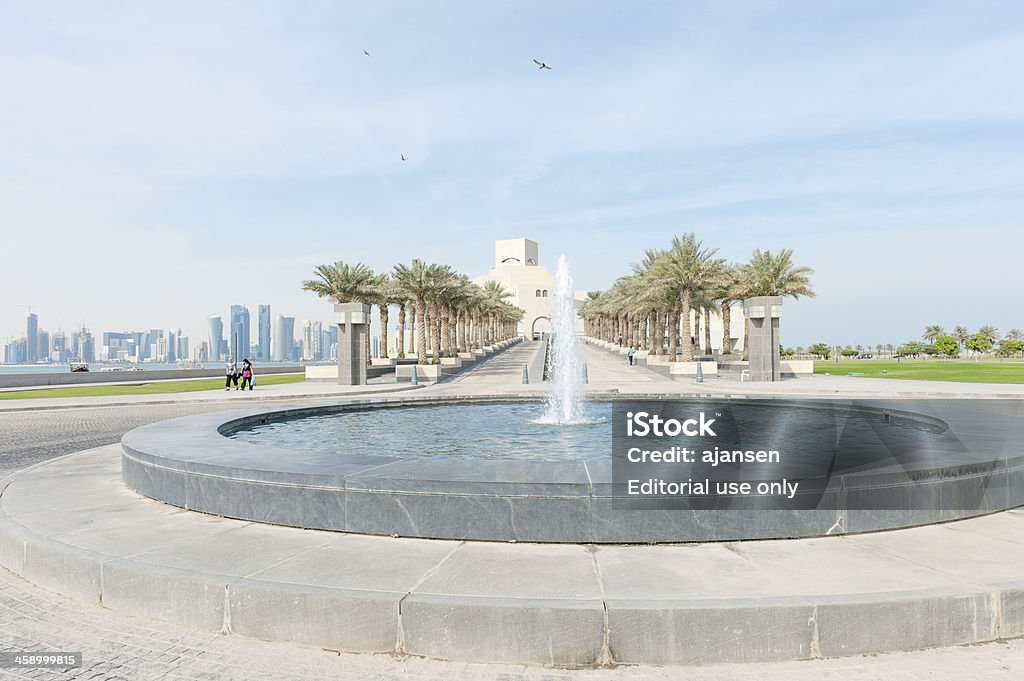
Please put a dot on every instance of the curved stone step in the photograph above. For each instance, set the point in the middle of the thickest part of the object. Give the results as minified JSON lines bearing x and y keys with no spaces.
{"x":71,"y":525}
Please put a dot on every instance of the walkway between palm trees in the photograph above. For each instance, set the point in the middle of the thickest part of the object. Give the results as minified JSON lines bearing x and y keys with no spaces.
{"x":504,"y":373}
{"x":604,"y":367}
{"x":501,"y":373}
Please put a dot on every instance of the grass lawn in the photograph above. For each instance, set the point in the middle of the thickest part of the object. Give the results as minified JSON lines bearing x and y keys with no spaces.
{"x":157,"y":388}
{"x":959,"y":370}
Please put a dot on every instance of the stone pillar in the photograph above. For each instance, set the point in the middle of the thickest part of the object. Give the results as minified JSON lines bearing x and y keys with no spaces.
{"x":763,"y":313}
{"x":353,"y":320}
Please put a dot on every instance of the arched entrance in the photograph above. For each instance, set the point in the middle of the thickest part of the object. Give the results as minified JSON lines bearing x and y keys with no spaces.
{"x":540,"y":326}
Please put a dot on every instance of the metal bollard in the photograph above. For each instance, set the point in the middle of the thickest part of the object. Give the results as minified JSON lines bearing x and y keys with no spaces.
{"x":526,"y":375}
{"x":414,"y":380}
{"x":700,"y":374}
{"x":586,"y":379}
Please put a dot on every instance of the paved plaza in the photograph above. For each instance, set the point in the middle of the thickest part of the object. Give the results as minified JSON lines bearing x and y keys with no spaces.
{"x":116,"y":645}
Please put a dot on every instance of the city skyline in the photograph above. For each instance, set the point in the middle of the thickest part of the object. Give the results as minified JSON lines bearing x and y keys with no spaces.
{"x":169,"y":344}
{"x":163,"y":161}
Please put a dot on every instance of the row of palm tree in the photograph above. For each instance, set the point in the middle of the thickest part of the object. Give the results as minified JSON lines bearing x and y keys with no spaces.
{"x":450,"y":313}
{"x":672,"y":292}
{"x":960,"y":334}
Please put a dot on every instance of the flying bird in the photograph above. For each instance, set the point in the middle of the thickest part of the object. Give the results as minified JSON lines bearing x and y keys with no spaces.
{"x":367,"y":53}
{"x":541,"y":65}
{"x":404,"y":158}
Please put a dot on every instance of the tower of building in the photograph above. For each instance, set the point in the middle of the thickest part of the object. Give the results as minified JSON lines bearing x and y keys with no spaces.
{"x":263,"y":334}
{"x":240,"y":338}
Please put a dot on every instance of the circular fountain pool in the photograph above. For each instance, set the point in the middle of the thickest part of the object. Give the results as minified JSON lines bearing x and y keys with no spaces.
{"x":489,"y":430}
{"x":479,"y":469}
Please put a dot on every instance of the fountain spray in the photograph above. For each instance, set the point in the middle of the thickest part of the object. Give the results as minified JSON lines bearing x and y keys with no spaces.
{"x":565,"y":402}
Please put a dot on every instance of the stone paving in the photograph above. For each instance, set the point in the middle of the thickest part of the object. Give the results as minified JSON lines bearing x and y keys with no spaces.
{"x":116,"y":646}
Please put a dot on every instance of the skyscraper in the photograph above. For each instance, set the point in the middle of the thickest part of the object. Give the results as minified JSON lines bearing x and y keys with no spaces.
{"x":216,"y":341}
{"x":43,"y":351}
{"x":61,"y":347}
{"x":279,"y":346}
{"x":288,"y":333}
{"x":172,"y":347}
{"x":264,"y":334}
{"x":318,"y":340}
{"x":118,"y":345}
{"x":83,"y":348}
{"x":152,"y":346}
{"x":32,"y":338}
{"x":307,"y":339}
{"x":239,"y":332}
{"x":329,"y":341}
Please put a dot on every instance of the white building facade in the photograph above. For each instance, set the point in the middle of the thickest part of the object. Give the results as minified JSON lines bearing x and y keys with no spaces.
{"x":517,"y":267}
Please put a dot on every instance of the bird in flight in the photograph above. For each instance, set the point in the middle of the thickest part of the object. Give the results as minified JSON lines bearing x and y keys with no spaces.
{"x":404,"y":158}
{"x":541,"y":65}
{"x":367,"y":53}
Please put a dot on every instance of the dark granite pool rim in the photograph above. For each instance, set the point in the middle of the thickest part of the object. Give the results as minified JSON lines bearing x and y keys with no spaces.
{"x":190,"y":463}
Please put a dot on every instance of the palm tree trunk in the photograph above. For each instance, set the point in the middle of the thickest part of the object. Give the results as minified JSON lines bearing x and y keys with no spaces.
{"x":446,"y":329}
{"x":726,"y":330}
{"x":673,"y":335}
{"x":421,"y":331}
{"x":385,"y":315}
{"x":427,"y":318}
{"x":654,"y":341}
{"x":644,"y":336}
{"x":686,"y":299}
{"x":707,"y":330}
{"x":401,"y":331}
{"x":696,"y":331}
{"x":435,"y":329}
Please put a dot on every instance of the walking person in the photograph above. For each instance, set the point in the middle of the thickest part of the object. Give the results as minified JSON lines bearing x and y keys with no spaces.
{"x":231,"y":374}
{"x":630,"y":353}
{"x":620,"y":340}
{"x":246,"y":374}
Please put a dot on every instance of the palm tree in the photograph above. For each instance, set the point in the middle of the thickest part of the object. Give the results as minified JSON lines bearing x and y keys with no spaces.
{"x":443,"y":279}
{"x":388,"y":293}
{"x":342,"y":282}
{"x":960,"y":335}
{"x":590,"y":311}
{"x":494,"y":295}
{"x":990,"y":332}
{"x":345,"y":283}
{"x":729,"y":293}
{"x":932,"y":332}
{"x":688,"y":268}
{"x":463,"y":299}
{"x":400,"y":298}
{"x":417,"y":281}
{"x":770,"y":274}
{"x":1014,"y":335}
{"x":646,"y":299}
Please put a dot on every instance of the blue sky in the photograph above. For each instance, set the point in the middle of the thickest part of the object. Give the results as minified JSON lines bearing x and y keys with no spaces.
{"x":159,"y":162}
